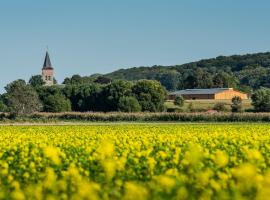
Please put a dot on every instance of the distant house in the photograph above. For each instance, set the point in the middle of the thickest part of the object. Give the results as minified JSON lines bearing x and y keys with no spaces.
{"x":213,"y":93}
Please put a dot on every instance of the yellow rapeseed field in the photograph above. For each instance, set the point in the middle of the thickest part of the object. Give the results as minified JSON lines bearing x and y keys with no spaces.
{"x":185,"y":161}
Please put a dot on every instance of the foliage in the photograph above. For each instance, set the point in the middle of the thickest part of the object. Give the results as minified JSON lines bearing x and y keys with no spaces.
{"x":129,"y":104}
{"x":114,"y":92}
{"x":170,"y":80}
{"x":117,"y":95}
{"x":172,"y":115}
{"x":249,"y":71}
{"x":56,"y":103}
{"x":261,"y":100}
{"x":53,"y":100}
{"x":86,"y":97}
{"x":191,"y":107}
{"x":78,"y":80}
{"x":21,"y":98}
{"x":3,"y":106}
{"x":179,"y":101}
{"x":36,"y":81}
{"x":102,"y":80}
{"x":220,"y":106}
{"x":237,"y":105}
{"x":135,"y":162}
{"x":150,"y":94}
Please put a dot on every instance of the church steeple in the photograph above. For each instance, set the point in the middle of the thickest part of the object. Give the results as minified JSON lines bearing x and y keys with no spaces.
{"x":48,"y":71}
{"x":47,"y":62}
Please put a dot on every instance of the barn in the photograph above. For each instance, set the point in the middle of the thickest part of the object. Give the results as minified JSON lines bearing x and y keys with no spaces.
{"x":213,"y":93}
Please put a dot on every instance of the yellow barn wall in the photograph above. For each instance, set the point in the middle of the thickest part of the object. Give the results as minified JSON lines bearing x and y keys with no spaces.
{"x":229,"y":94}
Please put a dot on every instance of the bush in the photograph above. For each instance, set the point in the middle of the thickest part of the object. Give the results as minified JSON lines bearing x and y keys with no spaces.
{"x":261,"y":100}
{"x":174,"y":110}
{"x":191,"y":107}
{"x":179,"y":101}
{"x":220,"y":107}
{"x":237,"y":104}
{"x":153,"y":117}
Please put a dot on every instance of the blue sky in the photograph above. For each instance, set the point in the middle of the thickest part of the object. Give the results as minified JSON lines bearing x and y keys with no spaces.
{"x":100,"y":36}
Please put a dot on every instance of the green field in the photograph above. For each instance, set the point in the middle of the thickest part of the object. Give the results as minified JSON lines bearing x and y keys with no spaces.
{"x":207,"y":104}
{"x":133,"y":161}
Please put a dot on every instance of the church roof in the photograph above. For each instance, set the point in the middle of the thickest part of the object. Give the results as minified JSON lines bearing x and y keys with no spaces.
{"x":47,"y":62}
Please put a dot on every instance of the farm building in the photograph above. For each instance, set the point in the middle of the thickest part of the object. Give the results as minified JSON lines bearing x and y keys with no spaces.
{"x":213,"y":93}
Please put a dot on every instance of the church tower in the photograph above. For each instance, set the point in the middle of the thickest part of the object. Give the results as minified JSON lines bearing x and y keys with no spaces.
{"x":48,"y":71}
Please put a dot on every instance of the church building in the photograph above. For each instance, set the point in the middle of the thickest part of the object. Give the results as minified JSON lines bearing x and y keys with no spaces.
{"x":48,"y":71}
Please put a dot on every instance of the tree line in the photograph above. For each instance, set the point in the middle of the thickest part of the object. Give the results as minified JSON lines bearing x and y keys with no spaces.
{"x":99,"y":95}
{"x":243,"y":72}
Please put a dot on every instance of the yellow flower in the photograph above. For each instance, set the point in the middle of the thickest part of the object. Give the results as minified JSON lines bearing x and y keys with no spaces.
{"x":134,"y":191}
{"x":53,"y":154}
{"x":221,"y":158}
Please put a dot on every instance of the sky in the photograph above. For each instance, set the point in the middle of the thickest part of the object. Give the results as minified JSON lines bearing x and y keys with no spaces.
{"x":99,"y":36}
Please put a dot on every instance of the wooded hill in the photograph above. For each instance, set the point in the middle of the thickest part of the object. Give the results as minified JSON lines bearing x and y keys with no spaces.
{"x":244,"y":72}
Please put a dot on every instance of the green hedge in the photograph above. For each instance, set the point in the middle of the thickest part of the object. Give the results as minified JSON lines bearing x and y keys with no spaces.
{"x":151,"y":117}
{"x":139,"y":117}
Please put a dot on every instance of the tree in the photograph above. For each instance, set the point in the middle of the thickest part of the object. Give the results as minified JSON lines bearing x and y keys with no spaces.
{"x":36,"y":81}
{"x":53,"y":99}
{"x":237,"y":104}
{"x":103,"y":80}
{"x":150,"y":94}
{"x":179,"y":101}
{"x":77,"y":79}
{"x":3,"y":106}
{"x":89,"y":98}
{"x":129,"y":104}
{"x":170,"y":80}
{"x":22,"y":98}
{"x":261,"y":100}
{"x":223,"y":79}
{"x":114,"y":92}
{"x":57,"y":103}
{"x":191,"y":82}
{"x":206,"y":81}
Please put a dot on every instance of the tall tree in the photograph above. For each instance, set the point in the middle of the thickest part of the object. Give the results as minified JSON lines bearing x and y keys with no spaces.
{"x":261,"y":100}
{"x":22,"y":98}
{"x":115,"y":91}
{"x":150,"y":94}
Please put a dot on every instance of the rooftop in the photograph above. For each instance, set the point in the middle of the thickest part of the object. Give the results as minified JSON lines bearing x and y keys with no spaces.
{"x":47,"y":62}
{"x":200,"y":91}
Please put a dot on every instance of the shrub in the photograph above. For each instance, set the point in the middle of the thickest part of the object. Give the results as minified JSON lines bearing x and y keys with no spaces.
{"x":191,"y":107}
{"x":237,"y":104}
{"x":172,"y":110}
{"x":220,"y":106}
{"x":179,"y":101}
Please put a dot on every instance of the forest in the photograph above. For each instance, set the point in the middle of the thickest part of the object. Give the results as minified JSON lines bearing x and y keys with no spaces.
{"x":243,"y":72}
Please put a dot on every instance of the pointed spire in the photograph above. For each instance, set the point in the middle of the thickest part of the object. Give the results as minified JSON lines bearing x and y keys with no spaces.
{"x":47,"y":62}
